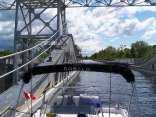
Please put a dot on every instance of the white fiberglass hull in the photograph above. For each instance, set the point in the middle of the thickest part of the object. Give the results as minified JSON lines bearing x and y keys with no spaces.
{"x":36,"y":104}
{"x":113,"y":113}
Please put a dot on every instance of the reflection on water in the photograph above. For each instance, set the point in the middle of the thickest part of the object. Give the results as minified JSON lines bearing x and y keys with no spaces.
{"x":121,"y":90}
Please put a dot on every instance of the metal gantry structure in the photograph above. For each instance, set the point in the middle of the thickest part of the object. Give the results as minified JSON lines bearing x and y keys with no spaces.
{"x":11,"y":4}
{"x":31,"y":26}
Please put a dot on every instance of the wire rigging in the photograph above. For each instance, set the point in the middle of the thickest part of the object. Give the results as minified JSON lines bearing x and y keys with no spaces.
{"x":110,"y":91}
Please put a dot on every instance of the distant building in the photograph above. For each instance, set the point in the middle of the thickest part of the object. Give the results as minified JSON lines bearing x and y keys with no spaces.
{"x":78,"y":50}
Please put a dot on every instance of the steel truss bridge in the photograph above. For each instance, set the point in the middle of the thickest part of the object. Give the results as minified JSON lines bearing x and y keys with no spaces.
{"x":27,"y":4}
{"x":50,"y":37}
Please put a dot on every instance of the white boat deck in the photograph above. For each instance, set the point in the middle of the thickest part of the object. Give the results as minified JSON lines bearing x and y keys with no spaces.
{"x":100,"y":115}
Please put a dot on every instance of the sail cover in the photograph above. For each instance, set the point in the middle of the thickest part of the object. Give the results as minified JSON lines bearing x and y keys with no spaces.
{"x":112,"y":68}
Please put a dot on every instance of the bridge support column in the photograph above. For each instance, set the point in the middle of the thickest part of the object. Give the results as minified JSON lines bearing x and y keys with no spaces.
{"x":25,"y":55}
{"x":58,"y":17}
{"x":31,"y":42}
{"x":56,"y":78}
{"x":15,"y":62}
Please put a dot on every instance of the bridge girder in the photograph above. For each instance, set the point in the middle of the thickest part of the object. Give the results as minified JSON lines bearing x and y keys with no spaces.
{"x":32,"y":27}
{"x":26,"y":4}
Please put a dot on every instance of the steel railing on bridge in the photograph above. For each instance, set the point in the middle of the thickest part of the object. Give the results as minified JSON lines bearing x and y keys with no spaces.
{"x":43,"y":44}
{"x":139,"y":61}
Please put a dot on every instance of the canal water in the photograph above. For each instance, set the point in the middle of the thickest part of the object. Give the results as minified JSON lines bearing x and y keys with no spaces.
{"x":121,"y":90}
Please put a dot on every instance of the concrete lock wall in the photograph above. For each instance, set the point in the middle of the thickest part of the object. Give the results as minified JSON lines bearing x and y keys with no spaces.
{"x":125,"y":60}
{"x":2,"y":71}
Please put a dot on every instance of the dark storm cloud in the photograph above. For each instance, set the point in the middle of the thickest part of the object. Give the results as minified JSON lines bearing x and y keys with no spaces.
{"x":4,"y":44}
{"x":6,"y":31}
{"x":6,"y":35}
{"x":7,"y":15}
{"x":126,"y":27}
{"x":129,"y":27}
{"x":127,"y":32}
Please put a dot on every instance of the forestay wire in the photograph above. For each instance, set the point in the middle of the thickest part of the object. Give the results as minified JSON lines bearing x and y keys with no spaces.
{"x":110,"y":92}
{"x":136,"y":100}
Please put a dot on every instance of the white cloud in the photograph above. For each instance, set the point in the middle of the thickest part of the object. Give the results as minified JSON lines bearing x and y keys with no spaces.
{"x":149,"y":34}
{"x":113,"y":39}
{"x":89,"y":46}
{"x":6,"y":28}
{"x":92,"y":28}
{"x":147,"y":24}
{"x":106,"y":22}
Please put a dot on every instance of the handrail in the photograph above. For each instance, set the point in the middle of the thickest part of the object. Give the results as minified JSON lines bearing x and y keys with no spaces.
{"x":32,"y":47}
{"x":7,"y":108}
{"x":148,"y":56}
{"x":37,"y":95}
{"x":53,"y":63}
{"x":27,"y":50}
{"x":25,"y":63}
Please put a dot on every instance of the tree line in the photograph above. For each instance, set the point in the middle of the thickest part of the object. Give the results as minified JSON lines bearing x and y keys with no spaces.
{"x":9,"y":51}
{"x":6,"y":51}
{"x":138,"y":49}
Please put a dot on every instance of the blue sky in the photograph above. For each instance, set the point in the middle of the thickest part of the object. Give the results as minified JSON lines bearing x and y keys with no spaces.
{"x":96,"y":28}
{"x":112,"y":27}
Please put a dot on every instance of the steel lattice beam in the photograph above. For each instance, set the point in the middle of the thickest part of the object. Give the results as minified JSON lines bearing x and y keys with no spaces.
{"x":26,"y":4}
{"x":109,"y":3}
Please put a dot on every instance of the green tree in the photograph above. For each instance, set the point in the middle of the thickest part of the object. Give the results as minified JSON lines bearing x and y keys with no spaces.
{"x":127,"y":53}
{"x":100,"y":55}
{"x":94,"y":56}
{"x":120,"y":51}
{"x":6,"y":52}
{"x":110,"y":53}
{"x":86,"y":57}
{"x":139,"y":49}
